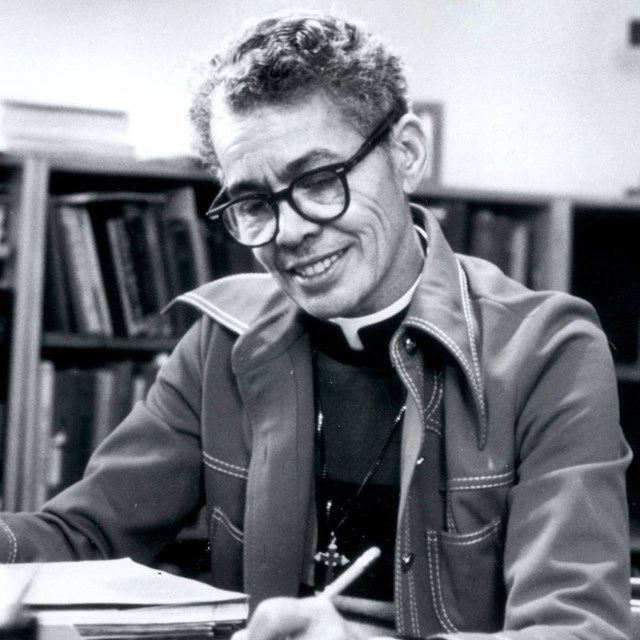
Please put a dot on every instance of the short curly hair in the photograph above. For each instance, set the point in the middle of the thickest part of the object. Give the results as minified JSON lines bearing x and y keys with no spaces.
{"x":286,"y":57}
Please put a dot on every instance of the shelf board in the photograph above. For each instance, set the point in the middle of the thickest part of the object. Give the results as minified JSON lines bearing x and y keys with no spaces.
{"x":479,"y":196}
{"x":145,"y":344}
{"x":181,"y":168}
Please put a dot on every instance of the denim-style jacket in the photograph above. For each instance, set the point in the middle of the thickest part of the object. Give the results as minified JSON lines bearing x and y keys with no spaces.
{"x":513,"y":516}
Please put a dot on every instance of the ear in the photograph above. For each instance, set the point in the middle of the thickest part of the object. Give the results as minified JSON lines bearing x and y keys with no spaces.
{"x":412,"y":151}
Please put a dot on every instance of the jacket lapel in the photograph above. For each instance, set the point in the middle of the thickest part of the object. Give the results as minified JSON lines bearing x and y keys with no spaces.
{"x":441,"y":307}
{"x":275,"y":379}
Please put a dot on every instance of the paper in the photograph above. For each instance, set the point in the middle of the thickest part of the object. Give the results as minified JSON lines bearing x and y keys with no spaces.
{"x":110,"y":582}
{"x":187,"y":614}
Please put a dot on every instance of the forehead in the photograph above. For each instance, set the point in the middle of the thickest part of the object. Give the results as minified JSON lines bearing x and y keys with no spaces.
{"x":272,"y":140}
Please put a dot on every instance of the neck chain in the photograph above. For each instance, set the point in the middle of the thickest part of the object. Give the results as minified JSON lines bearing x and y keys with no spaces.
{"x":332,"y":558}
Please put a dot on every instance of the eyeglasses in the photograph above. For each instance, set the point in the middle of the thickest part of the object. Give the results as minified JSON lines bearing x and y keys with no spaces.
{"x":318,"y":195}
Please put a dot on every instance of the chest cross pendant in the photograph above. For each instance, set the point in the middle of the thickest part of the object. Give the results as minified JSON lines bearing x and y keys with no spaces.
{"x":332,"y":559}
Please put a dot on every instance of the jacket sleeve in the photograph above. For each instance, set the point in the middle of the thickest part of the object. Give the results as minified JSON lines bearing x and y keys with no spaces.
{"x":140,"y":485}
{"x":566,"y":554}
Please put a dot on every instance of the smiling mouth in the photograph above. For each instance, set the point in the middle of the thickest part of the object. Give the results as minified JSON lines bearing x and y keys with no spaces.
{"x":318,"y":268}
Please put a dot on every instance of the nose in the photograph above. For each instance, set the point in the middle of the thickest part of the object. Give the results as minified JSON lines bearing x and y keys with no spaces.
{"x":293,"y":229}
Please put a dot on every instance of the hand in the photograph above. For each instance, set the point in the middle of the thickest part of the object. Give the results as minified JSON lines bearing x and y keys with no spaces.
{"x":307,"y":618}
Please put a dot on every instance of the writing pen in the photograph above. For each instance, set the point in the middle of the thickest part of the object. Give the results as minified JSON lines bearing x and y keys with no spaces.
{"x":346,"y":578}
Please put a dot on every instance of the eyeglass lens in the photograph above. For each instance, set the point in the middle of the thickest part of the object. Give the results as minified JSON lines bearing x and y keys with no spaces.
{"x":318,"y":196}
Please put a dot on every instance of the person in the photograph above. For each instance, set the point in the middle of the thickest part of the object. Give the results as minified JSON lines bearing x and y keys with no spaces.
{"x":372,"y":388}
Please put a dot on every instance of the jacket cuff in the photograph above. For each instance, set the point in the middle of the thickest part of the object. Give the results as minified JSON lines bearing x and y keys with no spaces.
{"x":8,"y":544}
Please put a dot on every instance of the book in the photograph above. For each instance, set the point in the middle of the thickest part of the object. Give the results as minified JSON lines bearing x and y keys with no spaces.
{"x":140,"y":221}
{"x":29,"y":126}
{"x":181,"y":206}
{"x":6,"y":323}
{"x":501,"y":238}
{"x":43,"y":445}
{"x":85,"y":284}
{"x":151,"y":248}
{"x":5,"y":247}
{"x":185,"y":250}
{"x":113,"y":398}
{"x":59,"y":313}
{"x":73,"y":406}
{"x":454,"y":221}
{"x":144,"y":375}
{"x":125,"y":277}
{"x":116,"y":261}
{"x":122,"y":598}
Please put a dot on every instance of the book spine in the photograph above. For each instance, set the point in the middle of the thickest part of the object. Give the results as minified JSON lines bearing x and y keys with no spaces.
{"x":5,"y":247}
{"x":454,"y":220}
{"x":147,"y":266}
{"x":58,"y":314}
{"x":80,"y":288}
{"x":43,"y":440}
{"x":520,"y":251}
{"x":6,"y":322}
{"x":94,"y":274}
{"x":125,"y":276}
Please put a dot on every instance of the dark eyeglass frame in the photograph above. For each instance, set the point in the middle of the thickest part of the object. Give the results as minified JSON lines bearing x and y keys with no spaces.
{"x":340,"y":169}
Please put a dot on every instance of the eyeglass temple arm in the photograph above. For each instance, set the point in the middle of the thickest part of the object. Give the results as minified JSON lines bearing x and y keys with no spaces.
{"x":375,"y":138}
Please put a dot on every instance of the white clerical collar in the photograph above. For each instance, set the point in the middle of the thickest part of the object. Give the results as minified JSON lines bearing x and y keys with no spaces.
{"x":351,"y":326}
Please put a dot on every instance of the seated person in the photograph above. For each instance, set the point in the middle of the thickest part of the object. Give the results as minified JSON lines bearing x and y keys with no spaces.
{"x":372,"y":388}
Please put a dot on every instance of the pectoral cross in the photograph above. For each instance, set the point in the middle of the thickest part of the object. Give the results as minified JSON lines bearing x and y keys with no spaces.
{"x":332,"y":559}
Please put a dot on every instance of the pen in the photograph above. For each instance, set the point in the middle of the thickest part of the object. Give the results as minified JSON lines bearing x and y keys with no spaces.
{"x":354,"y":571}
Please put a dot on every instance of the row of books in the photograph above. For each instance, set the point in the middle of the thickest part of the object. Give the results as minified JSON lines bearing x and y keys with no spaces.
{"x":115,"y":260}
{"x":78,"y":407}
{"x":502,"y":237}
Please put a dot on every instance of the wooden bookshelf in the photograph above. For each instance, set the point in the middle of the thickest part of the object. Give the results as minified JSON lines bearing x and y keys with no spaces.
{"x":571,"y":244}
{"x":34,"y":183}
{"x":587,"y":247}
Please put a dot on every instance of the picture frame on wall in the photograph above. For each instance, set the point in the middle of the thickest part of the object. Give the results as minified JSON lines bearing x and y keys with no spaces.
{"x":431,"y":114}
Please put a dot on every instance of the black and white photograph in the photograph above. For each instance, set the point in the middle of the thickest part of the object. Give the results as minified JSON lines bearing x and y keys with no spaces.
{"x":319,"y":319}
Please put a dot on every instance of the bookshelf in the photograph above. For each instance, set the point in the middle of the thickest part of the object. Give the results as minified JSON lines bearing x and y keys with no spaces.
{"x":43,"y":352}
{"x":583,"y":246}
{"x":579,"y":245}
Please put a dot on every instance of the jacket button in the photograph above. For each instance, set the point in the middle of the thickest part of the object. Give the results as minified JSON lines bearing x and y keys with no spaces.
{"x":410,"y":345}
{"x":407,"y":561}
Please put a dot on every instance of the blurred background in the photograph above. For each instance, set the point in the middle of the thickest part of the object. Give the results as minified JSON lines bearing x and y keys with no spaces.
{"x":537,"y":96}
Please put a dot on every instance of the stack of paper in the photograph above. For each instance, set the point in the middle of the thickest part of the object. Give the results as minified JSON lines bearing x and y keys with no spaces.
{"x":120,"y":599}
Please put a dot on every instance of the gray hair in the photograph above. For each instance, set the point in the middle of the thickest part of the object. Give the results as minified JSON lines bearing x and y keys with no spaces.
{"x":284,"y":58}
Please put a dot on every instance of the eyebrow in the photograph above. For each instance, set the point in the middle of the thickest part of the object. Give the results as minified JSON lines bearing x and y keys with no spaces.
{"x":311,"y":160}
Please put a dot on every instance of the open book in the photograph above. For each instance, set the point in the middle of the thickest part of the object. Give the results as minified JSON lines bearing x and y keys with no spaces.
{"x":124,"y":599}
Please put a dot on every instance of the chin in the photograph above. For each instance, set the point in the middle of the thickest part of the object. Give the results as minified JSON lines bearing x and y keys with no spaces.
{"x":326,"y":309}
{"x":333,"y":302}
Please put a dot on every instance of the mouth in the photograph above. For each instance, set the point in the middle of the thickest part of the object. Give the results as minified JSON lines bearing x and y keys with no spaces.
{"x":317,"y":268}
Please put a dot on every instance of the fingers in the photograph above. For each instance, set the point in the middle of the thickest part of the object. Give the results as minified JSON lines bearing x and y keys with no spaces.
{"x":309,"y":618}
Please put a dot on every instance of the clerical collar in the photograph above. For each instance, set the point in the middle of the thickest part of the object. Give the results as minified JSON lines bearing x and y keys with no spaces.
{"x":352,"y":326}
{"x":363,"y":340}
{"x":373,"y":333}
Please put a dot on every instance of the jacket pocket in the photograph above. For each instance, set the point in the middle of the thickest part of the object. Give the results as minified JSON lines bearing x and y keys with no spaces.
{"x":465,"y":578}
{"x":227,"y":544}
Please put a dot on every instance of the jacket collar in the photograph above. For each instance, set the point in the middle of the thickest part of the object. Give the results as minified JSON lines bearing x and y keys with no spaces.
{"x":441,"y":308}
{"x":268,"y":322}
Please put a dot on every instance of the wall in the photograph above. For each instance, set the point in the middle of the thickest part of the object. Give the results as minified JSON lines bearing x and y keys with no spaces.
{"x":539,"y":96}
